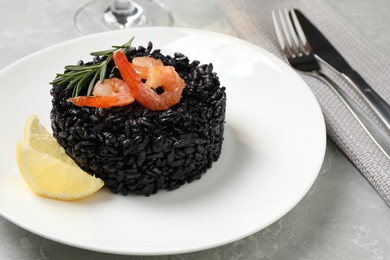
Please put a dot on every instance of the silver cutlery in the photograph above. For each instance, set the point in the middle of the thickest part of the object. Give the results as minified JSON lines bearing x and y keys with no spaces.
{"x":299,"y":54}
{"x":325,"y":50}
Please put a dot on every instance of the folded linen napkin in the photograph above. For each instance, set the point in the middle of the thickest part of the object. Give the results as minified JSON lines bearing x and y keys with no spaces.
{"x":252,"y":21}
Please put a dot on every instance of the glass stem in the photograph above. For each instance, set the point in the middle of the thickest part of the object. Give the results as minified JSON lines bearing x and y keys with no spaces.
{"x":123,"y":13}
{"x":123,"y":7}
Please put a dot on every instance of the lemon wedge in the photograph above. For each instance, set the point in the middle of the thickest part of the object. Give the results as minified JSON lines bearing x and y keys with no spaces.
{"x":48,"y":170}
{"x":36,"y":136}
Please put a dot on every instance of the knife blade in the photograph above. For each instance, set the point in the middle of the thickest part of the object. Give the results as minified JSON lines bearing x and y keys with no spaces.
{"x":327,"y":52}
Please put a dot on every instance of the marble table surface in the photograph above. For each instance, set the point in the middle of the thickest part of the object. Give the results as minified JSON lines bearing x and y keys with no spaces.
{"x":341,"y":217}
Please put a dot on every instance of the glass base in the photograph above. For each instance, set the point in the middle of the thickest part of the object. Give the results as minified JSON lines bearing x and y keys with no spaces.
{"x":98,"y":16}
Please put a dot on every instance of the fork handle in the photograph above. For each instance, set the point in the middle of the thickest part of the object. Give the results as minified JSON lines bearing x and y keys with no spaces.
{"x":380,"y":107}
{"x":379,"y":136}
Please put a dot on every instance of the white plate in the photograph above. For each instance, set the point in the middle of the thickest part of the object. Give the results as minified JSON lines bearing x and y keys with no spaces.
{"x":274,"y":146}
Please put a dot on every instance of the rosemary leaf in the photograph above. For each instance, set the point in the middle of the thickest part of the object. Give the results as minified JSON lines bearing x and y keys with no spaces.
{"x":74,"y":80}
{"x":81,"y":82}
{"x":72,"y":73}
{"x":103,"y":53}
{"x":77,"y":76}
{"x":81,"y":68}
{"x":91,"y":85}
{"x":59,"y":81}
{"x":117,"y":47}
{"x":103,"y":72}
{"x":74,"y":92}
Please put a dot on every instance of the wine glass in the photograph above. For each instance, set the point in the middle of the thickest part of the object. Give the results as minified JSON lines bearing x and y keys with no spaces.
{"x":101,"y":15}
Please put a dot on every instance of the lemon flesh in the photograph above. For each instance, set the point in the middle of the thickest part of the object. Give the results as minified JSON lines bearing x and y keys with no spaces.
{"x":48,"y":170}
{"x":36,"y":136}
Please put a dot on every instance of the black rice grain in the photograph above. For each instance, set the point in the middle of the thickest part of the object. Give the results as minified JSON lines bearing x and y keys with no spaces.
{"x":136,"y":150}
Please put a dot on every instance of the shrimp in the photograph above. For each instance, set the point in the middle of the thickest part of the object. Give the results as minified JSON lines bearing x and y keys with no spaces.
{"x":113,"y":92}
{"x":142,"y":65}
{"x":158,"y":76}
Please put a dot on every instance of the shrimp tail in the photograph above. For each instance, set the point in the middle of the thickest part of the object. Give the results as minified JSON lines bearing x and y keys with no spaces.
{"x":101,"y":102}
{"x":127,"y":71}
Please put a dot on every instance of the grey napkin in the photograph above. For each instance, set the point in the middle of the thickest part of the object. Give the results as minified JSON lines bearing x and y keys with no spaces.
{"x":252,"y":21}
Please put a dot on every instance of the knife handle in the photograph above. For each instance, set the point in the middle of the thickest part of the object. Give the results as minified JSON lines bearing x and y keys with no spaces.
{"x":377,"y":104}
{"x":377,"y":135}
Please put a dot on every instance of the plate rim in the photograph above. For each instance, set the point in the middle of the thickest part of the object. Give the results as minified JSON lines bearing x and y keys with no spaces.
{"x":194,"y":248}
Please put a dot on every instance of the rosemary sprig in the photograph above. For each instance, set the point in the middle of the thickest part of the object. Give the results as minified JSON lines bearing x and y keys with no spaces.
{"x":77,"y":77}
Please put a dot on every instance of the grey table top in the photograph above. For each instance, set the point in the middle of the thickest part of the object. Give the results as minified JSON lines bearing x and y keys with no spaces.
{"x":342,"y":217}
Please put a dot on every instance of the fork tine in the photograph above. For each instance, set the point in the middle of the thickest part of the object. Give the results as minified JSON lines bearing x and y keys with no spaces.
{"x":278,"y":32}
{"x":292,"y":41}
{"x":301,"y":35}
{"x":282,"y":34}
{"x":291,"y":31}
{"x":286,"y":33}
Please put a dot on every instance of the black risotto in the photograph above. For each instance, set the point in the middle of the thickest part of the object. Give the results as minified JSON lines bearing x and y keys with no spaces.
{"x":136,"y":150}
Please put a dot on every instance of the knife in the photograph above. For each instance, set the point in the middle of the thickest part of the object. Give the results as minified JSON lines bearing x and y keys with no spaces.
{"x":325,"y":50}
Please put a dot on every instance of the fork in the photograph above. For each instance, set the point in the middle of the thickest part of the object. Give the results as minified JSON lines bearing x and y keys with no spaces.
{"x":299,"y":54}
